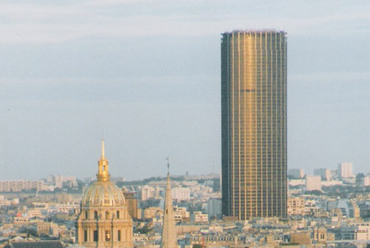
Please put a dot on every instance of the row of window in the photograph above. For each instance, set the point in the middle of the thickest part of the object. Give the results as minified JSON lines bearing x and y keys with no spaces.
{"x":108,"y":236}
{"x":107,"y":215}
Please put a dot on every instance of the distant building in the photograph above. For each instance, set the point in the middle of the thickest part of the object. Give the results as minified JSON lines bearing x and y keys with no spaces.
{"x":296,"y":173}
{"x":181,"y":215}
{"x":301,"y":238}
{"x":331,"y":183}
{"x":323,"y":173}
{"x":354,"y":232}
{"x":313,"y":183}
{"x":345,"y":170}
{"x":199,"y":217}
{"x":366,"y":180}
{"x":180,"y":194}
{"x":334,"y":174}
{"x":254,"y":123}
{"x":153,"y":212}
{"x":43,"y":228}
{"x":363,"y":231}
{"x":214,"y":208}
{"x":147,"y":192}
{"x":296,"y":206}
{"x":131,"y":202}
{"x":59,"y":181}
{"x":23,"y":185}
{"x":296,"y":182}
{"x":349,"y":208}
{"x":354,"y":210}
{"x":320,"y":235}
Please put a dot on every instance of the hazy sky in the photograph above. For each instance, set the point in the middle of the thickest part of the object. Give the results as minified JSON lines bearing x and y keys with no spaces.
{"x":147,"y":74}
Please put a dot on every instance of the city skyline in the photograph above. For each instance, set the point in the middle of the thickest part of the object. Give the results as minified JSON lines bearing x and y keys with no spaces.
{"x":147,"y":75}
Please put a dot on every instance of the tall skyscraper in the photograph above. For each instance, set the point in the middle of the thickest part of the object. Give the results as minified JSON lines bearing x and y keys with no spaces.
{"x":254,"y":124}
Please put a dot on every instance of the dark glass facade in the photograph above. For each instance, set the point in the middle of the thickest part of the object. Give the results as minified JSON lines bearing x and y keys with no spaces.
{"x":254,"y":124}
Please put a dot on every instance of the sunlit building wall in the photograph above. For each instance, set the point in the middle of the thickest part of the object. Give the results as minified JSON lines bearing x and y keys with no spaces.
{"x":313,"y":183}
{"x":345,"y":170}
{"x":254,"y":124}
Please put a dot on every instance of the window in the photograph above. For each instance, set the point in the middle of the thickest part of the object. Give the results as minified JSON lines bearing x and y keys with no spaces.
{"x":119,"y":235}
{"x":86,"y":214}
{"x":107,"y":236}
{"x":117,"y":214}
{"x":95,"y":214}
{"x":107,"y":215}
{"x":96,"y":236}
{"x":85,"y":235}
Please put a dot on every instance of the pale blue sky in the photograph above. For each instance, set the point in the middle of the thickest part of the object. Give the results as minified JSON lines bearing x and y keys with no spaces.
{"x":147,"y":72}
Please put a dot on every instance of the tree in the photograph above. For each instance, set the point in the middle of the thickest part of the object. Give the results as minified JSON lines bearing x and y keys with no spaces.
{"x":359,"y":178}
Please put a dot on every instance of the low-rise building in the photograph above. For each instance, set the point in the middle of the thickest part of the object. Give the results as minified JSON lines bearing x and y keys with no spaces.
{"x":296,"y":206}
{"x":199,"y":217}
{"x":180,"y":194}
{"x":313,"y":183}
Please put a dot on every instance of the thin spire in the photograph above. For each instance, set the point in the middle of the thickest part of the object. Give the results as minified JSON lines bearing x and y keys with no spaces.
{"x":169,"y":235}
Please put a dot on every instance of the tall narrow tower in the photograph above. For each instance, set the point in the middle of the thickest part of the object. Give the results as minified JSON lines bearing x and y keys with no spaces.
{"x":169,"y":234}
{"x":254,"y":123}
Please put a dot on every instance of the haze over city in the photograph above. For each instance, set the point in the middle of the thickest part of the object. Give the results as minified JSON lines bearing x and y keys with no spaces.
{"x":146,"y":76}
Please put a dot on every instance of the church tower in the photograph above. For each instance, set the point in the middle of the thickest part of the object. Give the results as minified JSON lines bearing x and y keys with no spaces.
{"x":104,"y":220}
{"x":169,"y":234}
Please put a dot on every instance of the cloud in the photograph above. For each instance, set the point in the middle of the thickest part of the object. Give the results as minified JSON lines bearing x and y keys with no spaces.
{"x":114,"y":3}
{"x":331,"y":77}
{"x":40,"y":23}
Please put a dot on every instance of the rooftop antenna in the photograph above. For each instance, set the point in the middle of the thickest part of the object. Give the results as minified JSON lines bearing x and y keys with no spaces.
{"x":102,"y":143}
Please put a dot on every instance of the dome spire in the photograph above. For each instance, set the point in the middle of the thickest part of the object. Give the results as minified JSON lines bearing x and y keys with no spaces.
{"x":102,"y":148}
{"x":103,"y":174}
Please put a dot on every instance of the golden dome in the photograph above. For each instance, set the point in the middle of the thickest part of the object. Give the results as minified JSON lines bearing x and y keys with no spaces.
{"x":104,"y":220}
{"x":103,"y":193}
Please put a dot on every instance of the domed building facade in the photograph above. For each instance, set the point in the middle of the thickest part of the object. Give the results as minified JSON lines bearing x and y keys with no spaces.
{"x":104,"y":220}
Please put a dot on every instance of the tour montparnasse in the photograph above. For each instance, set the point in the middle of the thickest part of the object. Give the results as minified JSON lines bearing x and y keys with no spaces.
{"x":254,"y":124}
